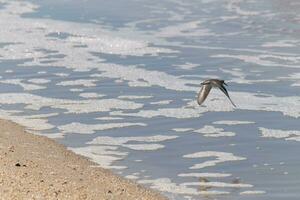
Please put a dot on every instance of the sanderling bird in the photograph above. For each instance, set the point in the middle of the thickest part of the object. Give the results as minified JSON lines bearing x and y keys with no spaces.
{"x":206,"y":87}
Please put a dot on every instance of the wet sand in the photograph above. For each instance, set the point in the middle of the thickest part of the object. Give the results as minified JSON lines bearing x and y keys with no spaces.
{"x":35,"y":167}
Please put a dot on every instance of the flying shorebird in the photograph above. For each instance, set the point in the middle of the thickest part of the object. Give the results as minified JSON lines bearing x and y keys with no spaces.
{"x":206,"y":87}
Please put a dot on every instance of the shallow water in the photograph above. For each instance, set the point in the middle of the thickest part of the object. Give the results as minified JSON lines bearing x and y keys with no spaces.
{"x":116,"y":81}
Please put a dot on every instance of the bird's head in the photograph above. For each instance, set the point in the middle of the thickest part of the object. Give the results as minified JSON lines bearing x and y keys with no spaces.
{"x":206,"y":82}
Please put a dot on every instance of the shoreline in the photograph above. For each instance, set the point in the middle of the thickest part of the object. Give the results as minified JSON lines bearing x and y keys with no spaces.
{"x":37,"y":167}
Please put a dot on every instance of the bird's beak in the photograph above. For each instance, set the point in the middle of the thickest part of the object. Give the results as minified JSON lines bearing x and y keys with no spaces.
{"x":225,"y":84}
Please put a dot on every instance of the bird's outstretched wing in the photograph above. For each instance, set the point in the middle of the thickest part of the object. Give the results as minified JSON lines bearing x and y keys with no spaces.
{"x":223,"y":89}
{"x":203,"y":93}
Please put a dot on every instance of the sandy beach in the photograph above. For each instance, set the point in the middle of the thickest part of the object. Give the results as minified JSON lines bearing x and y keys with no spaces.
{"x":36,"y":167}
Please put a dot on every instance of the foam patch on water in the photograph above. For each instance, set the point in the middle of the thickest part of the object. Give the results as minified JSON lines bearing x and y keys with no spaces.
{"x":219,"y":184}
{"x":185,"y":29}
{"x":123,"y":141}
{"x":134,"y":97}
{"x":33,"y":123}
{"x":233,"y":122}
{"x":240,"y":77}
{"x":252,"y":192}
{"x":280,"y":134}
{"x":25,"y":86}
{"x":76,"y":90}
{"x":89,"y":95}
{"x":138,"y":77}
{"x":9,"y":71}
{"x":147,"y":143}
{"x":265,"y":60}
{"x":204,"y":175}
{"x":295,"y":77}
{"x":280,"y":43}
{"x":105,"y":156}
{"x":50,"y":135}
{"x":220,"y":158}
{"x":163,"y":102}
{"x":38,"y":81}
{"x":144,"y":147}
{"x":166,"y":185}
{"x":179,"y":113}
{"x":79,"y":82}
{"x":234,"y":6}
{"x":36,"y":102}
{"x":188,"y":66}
{"x":182,"y":129}
{"x":211,"y":131}
{"x":80,"y":128}
{"x":62,"y":74}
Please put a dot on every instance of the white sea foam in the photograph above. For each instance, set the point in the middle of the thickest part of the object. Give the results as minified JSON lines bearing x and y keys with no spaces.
{"x":91,"y":95}
{"x":211,"y":131}
{"x":185,"y":29}
{"x":234,"y":6}
{"x":265,"y":59}
{"x":38,"y":81}
{"x":76,"y":90}
{"x":281,"y":134}
{"x":33,"y":123}
{"x":220,"y":157}
{"x":25,"y":86}
{"x":148,"y":143}
{"x":83,"y":82}
{"x":36,"y":102}
{"x":80,"y":128}
{"x":252,"y":192}
{"x":144,"y":147}
{"x":105,"y":156}
{"x":138,"y":77}
{"x":233,"y":122}
{"x":134,"y":97}
{"x":182,"y":129}
{"x":219,"y":184}
{"x":166,"y":185}
{"x":106,"y":140}
{"x":240,"y":77}
{"x":49,"y":135}
{"x":163,"y":102}
{"x":188,"y":66}
{"x":109,"y":118}
{"x":295,"y":77}
{"x":62,"y":74}
{"x":204,"y":175}
{"x":179,"y":113}
{"x":280,"y":43}
{"x":9,"y":71}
